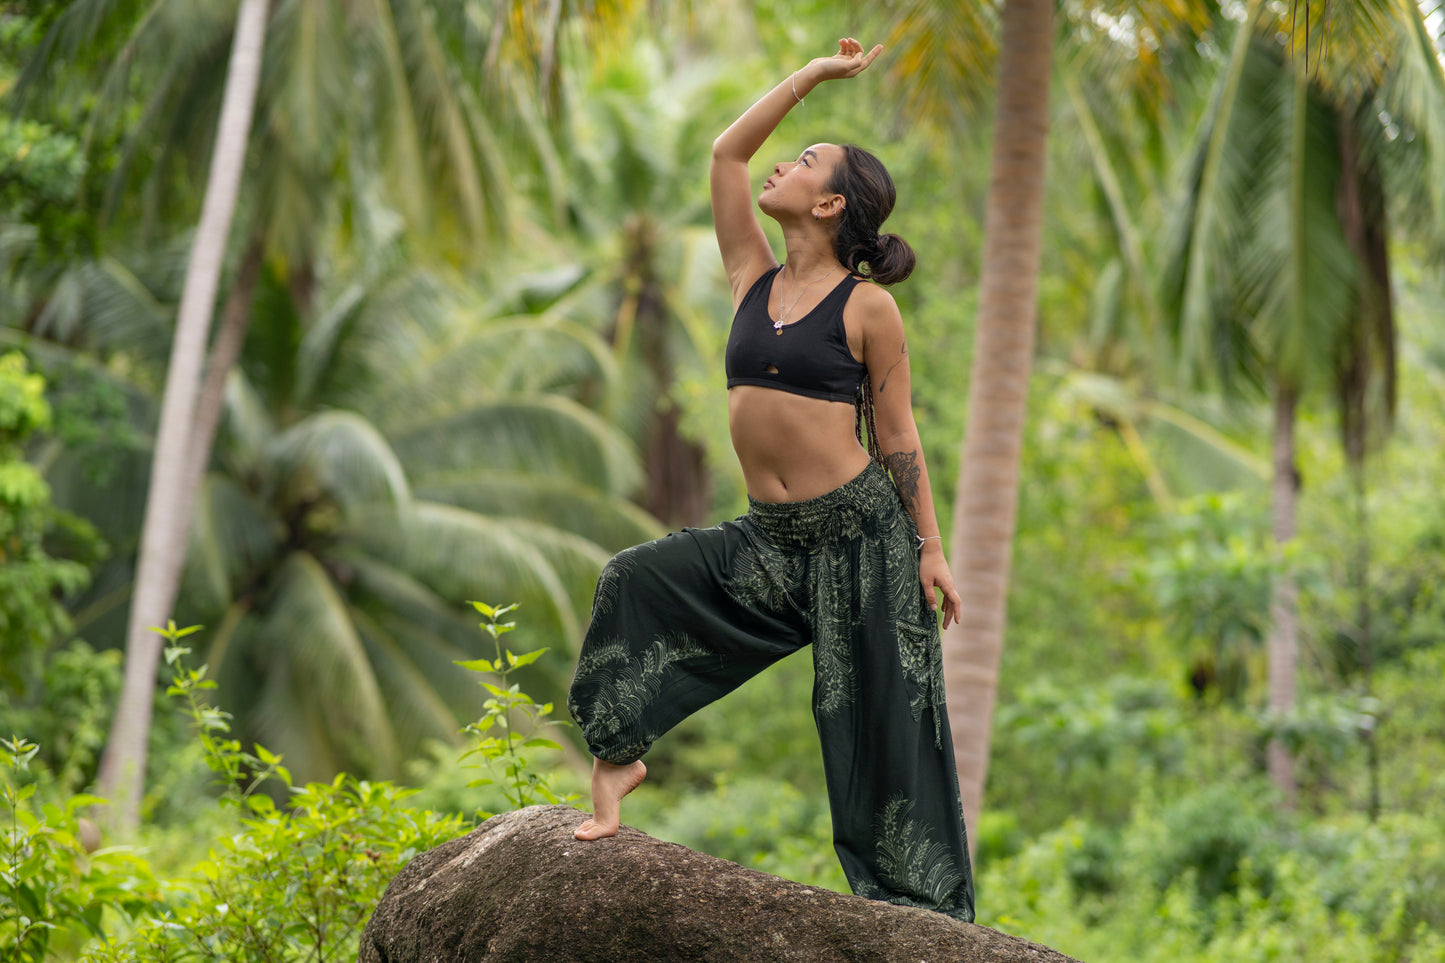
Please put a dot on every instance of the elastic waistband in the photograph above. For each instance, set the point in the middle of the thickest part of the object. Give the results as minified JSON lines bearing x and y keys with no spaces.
{"x":854,"y":509}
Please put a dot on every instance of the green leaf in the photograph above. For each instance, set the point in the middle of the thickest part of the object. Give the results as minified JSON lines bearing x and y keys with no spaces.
{"x":527,"y":658}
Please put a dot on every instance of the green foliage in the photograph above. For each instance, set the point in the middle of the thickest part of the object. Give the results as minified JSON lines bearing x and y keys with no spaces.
{"x":22,"y":402}
{"x":31,"y":581}
{"x":1101,"y":743}
{"x":52,"y":889}
{"x":67,"y":713}
{"x":294,"y":883}
{"x":515,"y":714}
{"x":1221,"y":874}
{"x":412,"y":424}
{"x":40,"y":176}
{"x":764,"y":823}
{"x":1213,"y":581}
{"x":288,"y":882}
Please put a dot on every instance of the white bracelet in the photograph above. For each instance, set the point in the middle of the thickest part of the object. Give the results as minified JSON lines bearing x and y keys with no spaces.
{"x":924,"y":538}
{"x":795,"y":88}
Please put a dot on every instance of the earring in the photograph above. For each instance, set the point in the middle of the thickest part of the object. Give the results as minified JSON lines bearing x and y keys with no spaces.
{"x":817,"y":216}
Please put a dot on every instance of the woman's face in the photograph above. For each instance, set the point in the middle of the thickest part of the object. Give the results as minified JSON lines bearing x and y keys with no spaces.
{"x":801,"y":186}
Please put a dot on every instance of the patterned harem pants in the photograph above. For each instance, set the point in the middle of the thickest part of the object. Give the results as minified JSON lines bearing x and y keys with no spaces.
{"x":682,"y":621}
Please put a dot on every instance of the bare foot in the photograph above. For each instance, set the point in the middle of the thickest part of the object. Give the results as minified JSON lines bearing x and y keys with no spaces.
{"x":609,"y":784}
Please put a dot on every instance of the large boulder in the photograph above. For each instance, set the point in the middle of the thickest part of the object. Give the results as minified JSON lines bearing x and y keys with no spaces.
{"x":520,"y":889}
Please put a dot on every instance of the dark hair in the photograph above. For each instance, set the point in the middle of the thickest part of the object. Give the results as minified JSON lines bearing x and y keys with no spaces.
{"x":868,"y":190}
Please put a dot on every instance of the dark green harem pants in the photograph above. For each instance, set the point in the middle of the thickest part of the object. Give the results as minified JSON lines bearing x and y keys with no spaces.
{"x":682,"y":621}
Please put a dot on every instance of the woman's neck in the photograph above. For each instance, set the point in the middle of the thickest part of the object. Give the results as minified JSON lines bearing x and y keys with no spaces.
{"x":809,"y":256}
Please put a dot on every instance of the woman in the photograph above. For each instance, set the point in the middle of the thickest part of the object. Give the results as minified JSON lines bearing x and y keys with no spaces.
{"x":831,"y":552}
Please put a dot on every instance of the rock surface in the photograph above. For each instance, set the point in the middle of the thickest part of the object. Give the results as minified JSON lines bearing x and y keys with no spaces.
{"x":520,"y":889}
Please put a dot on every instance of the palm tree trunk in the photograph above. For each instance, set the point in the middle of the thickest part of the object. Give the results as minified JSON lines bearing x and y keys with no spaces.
{"x":235,"y":319}
{"x":1367,"y":365}
{"x":1283,"y":645}
{"x":163,"y":536}
{"x":986,"y":501}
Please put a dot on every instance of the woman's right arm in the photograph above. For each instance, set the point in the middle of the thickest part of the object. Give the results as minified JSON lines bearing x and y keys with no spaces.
{"x":745,"y":251}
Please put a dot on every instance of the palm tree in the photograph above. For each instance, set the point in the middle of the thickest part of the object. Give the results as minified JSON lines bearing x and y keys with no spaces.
{"x":414,"y":447}
{"x":986,"y":498}
{"x":169,"y":499}
{"x":1280,"y":279}
{"x":425,"y":144}
{"x":944,"y":50}
{"x":650,"y":257}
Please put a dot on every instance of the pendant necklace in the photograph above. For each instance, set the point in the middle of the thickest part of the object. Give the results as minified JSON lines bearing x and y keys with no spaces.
{"x":783,"y":311}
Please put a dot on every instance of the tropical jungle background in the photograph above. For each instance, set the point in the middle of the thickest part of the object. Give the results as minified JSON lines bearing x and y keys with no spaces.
{"x":322,"y":319}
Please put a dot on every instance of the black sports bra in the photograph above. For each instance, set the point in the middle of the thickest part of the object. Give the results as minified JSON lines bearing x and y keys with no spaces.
{"x":808,"y":356}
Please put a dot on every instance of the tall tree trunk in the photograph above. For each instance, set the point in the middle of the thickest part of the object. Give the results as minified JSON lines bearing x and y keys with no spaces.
{"x":1364,"y":639}
{"x":679,"y":488}
{"x":163,"y":536}
{"x":1365,"y":381}
{"x":986,"y":502}
{"x":225,"y":351}
{"x":1283,"y":645}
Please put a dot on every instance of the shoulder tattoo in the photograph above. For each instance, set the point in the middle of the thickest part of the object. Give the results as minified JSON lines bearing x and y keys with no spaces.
{"x":903,"y":356}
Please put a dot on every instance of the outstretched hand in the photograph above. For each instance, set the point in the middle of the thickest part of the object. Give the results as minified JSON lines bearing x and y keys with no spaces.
{"x":849,"y":61}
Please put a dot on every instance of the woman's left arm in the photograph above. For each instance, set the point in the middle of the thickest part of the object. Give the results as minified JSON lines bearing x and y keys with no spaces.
{"x":885,"y":353}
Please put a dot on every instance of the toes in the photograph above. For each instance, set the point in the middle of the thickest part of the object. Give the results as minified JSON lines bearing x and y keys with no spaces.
{"x":590,"y":830}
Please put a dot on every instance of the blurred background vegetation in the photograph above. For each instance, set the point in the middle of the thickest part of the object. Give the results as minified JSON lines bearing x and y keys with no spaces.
{"x":483,"y":320}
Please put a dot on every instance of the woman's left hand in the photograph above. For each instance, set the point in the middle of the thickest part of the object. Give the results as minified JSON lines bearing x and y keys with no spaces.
{"x":849,"y":61}
{"x":934,"y":574}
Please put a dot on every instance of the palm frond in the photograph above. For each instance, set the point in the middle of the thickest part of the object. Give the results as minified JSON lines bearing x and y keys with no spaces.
{"x":248,"y":427}
{"x":543,"y":434}
{"x":395,"y":596}
{"x":416,"y":710}
{"x":1207,"y":324}
{"x":942,"y":57}
{"x":1410,"y":138}
{"x":568,"y":504}
{"x":283,"y":714}
{"x":462,"y":555}
{"x":474,"y":362}
{"x":342,"y":456}
{"x":400,"y":134}
{"x":1296,"y":239}
{"x":478,"y":193}
{"x":309,"y":629}
{"x":232,"y":538}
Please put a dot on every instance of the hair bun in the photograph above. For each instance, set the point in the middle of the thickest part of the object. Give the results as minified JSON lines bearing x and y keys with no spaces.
{"x":894,"y":261}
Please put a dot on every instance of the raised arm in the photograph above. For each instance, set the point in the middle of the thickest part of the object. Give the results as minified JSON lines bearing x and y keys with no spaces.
{"x":745,"y":250}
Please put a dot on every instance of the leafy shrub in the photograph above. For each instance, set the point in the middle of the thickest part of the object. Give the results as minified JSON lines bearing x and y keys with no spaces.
{"x":1216,"y":877}
{"x":68,"y":713}
{"x":1222,"y":837}
{"x":293,"y":884}
{"x":297,"y":884}
{"x":31,"y":580}
{"x":54,"y":890}
{"x":1055,"y":747}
